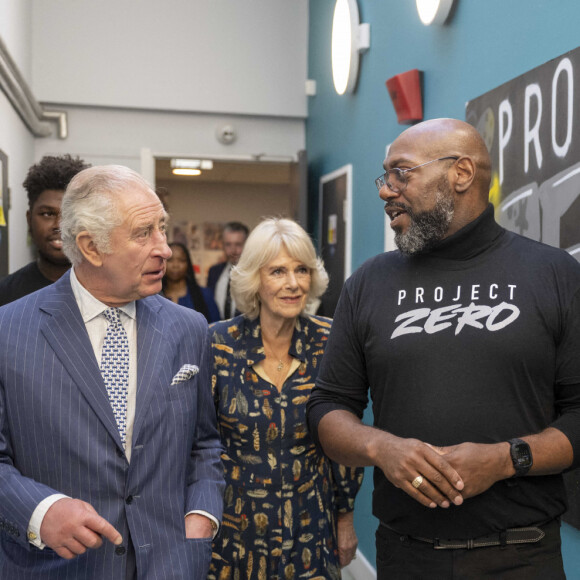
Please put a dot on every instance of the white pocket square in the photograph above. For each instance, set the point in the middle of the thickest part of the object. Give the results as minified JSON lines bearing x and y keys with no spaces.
{"x":185,"y":373}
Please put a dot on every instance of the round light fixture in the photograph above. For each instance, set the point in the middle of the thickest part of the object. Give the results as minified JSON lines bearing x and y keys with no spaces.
{"x":345,"y":53}
{"x":433,"y":11}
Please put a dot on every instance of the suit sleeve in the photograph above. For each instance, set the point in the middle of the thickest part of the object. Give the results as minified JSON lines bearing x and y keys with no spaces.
{"x":205,"y":477}
{"x":19,"y":495}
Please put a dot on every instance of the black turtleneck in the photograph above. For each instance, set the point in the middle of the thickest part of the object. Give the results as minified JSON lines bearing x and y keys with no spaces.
{"x":475,"y":340}
{"x":471,"y":240}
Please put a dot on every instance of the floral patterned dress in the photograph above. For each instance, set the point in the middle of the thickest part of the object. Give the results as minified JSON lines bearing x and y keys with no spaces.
{"x":282,"y":494}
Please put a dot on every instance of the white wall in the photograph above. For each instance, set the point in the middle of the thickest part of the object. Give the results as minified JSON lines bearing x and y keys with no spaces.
{"x":158,"y":76}
{"x":15,"y":140}
{"x":227,"y":56}
{"x":101,"y":135}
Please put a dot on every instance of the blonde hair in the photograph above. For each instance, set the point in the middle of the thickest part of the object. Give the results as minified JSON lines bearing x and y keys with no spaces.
{"x":262,"y":246}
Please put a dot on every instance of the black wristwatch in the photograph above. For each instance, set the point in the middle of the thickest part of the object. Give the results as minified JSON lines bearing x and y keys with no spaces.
{"x":521,"y":456}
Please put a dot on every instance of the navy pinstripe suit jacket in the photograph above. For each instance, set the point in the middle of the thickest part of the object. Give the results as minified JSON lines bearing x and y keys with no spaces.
{"x":58,"y":434}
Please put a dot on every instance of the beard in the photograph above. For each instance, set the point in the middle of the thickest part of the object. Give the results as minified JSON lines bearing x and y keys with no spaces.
{"x":427,"y":227}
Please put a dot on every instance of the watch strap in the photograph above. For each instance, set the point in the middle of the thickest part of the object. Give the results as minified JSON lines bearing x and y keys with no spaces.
{"x":521,"y":467}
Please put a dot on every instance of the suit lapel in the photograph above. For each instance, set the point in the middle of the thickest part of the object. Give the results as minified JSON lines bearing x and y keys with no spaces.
{"x":151,"y":348}
{"x":67,"y":335}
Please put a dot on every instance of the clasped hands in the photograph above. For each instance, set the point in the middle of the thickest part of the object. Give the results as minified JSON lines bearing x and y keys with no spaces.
{"x":441,"y":476}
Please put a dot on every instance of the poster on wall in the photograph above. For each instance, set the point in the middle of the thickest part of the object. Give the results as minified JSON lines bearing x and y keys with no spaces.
{"x":530,"y":126}
{"x":335,"y":228}
{"x":3,"y":214}
{"x":204,"y":242}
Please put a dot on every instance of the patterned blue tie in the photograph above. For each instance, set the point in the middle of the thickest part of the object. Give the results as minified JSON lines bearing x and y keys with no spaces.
{"x":115,"y":367}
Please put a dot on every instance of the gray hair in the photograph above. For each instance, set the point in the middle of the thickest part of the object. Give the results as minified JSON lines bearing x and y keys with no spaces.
{"x":90,"y":204}
{"x":262,"y":246}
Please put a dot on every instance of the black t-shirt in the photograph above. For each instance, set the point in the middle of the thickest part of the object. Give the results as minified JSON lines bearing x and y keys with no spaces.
{"x":477,"y":340}
{"x":21,"y":283}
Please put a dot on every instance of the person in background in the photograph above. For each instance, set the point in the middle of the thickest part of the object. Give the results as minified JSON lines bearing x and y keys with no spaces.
{"x":109,"y":450}
{"x":218,"y":279}
{"x":45,"y":185}
{"x":288,"y":510}
{"x":468,"y":338}
{"x":181,"y":287}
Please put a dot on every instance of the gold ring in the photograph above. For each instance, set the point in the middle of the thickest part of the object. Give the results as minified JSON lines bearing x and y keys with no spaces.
{"x":416,"y":483}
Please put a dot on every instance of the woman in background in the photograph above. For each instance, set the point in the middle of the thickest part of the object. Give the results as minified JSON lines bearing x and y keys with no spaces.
{"x":181,"y":287}
{"x":288,"y":510}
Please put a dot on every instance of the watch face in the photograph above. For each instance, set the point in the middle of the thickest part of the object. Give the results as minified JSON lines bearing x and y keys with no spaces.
{"x":521,"y":454}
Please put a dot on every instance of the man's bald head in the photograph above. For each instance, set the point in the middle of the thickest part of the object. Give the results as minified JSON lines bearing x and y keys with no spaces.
{"x":433,"y":200}
{"x":442,"y":137}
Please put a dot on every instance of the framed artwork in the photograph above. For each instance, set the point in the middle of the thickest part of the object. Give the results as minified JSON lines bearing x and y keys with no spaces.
{"x":529,"y":127}
{"x":335,"y":211}
{"x":4,"y":207}
{"x":204,"y":242}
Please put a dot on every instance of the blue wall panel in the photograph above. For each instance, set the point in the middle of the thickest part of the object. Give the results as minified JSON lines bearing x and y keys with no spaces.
{"x":484,"y":44}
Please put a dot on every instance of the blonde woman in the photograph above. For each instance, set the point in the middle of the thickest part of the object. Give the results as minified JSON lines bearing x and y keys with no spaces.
{"x":288,"y":510}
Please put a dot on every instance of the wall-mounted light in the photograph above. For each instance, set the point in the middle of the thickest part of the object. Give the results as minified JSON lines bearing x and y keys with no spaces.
{"x":190,"y":166}
{"x":434,"y":11}
{"x":349,"y":39}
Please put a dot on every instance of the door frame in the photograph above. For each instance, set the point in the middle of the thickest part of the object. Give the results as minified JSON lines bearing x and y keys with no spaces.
{"x":346,"y":210}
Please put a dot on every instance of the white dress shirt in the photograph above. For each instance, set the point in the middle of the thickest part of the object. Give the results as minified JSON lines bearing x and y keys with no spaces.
{"x":221,"y":289}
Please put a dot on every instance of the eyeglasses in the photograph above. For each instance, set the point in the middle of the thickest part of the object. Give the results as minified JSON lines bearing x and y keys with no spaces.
{"x":396,"y":179}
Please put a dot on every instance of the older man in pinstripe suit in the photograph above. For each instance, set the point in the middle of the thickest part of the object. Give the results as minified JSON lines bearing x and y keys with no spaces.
{"x":100,"y":477}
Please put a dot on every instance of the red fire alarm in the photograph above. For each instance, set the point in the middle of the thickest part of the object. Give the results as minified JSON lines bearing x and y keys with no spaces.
{"x":405,"y":92}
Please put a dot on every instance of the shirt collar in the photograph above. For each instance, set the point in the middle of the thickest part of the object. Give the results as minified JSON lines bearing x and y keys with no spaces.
{"x":89,"y":306}
{"x":470,"y":241}
{"x":255,"y":347}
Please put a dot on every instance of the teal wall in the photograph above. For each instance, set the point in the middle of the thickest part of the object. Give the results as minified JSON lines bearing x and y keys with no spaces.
{"x":484,"y":44}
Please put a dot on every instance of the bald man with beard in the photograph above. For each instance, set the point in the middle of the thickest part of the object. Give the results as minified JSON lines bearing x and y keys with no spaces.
{"x":467,"y":337}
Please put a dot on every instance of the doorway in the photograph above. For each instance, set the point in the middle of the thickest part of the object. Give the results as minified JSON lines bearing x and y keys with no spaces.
{"x":232,"y":190}
{"x":336,"y":232}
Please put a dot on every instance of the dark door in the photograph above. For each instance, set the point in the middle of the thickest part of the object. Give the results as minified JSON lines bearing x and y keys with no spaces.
{"x":333,"y":234}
